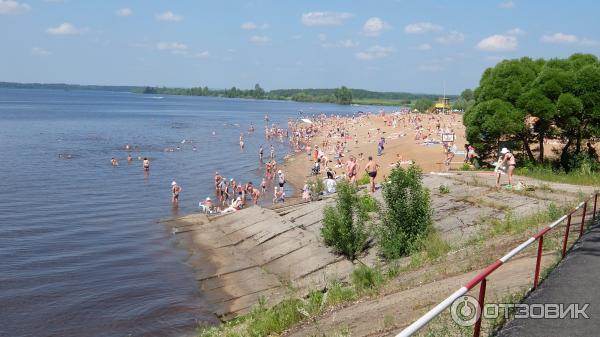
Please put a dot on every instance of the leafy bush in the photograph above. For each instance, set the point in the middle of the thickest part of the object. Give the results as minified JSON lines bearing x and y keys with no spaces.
{"x":465,"y":167}
{"x":407,"y":217}
{"x":344,"y":224}
{"x":444,"y":189}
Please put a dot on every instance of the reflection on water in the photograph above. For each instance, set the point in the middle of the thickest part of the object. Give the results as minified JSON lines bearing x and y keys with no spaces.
{"x":82,"y":251}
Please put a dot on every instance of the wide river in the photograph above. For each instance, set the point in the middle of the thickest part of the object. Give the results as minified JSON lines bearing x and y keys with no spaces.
{"x":82,"y":251}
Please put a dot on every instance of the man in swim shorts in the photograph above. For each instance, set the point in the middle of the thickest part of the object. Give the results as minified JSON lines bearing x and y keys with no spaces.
{"x":371,"y":170}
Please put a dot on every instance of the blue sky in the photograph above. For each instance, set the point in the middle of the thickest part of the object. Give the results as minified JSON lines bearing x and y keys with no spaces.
{"x":395,"y":45}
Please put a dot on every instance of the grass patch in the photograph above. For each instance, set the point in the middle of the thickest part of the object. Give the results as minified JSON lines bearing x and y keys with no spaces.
{"x":547,"y":174}
{"x":366,"y":279}
{"x":516,"y":225}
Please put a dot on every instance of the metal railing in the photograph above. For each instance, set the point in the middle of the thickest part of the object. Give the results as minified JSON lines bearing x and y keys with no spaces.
{"x":481,"y":278}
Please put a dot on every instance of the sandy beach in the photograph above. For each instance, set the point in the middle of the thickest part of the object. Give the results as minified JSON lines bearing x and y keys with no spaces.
{"x":399,"y":141}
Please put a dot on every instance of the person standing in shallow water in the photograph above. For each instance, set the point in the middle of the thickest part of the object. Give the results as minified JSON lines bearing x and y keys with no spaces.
{"x":175,"y":190}
{"x":371,"y":170}
{"x":260,"y":153}
{"x":146,"y":164}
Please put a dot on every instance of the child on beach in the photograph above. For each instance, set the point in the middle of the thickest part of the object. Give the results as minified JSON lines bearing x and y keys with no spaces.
{"x":278,"y":195}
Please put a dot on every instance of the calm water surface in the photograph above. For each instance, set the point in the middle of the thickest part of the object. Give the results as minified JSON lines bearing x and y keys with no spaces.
{"x":82,"y":251}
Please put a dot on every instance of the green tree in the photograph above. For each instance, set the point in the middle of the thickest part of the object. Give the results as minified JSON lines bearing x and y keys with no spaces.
{"x":344,"y":226}
{"x":343,"y":95}
{"x":259,"y":93}
{"x":407,"y":216}
{"x":423,"y":104}
{"x":467,"y":95}
{"x":537,"y":104}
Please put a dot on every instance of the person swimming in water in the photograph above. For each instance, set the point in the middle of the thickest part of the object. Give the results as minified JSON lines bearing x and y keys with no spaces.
{"x":114,"y":162}
{"x":146,"y":164}
{"x":129,"y":157}
{"x":241,"y":141}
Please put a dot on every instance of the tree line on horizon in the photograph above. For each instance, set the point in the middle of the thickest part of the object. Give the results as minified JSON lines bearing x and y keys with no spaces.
{"x":341,"y":95}
{"x":525,"y":102}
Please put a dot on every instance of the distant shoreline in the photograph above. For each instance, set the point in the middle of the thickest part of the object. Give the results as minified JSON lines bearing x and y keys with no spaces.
{"x":309,"y":95}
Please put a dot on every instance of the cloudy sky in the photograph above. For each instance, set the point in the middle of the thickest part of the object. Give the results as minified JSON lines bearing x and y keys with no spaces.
{"x":392,"y":45}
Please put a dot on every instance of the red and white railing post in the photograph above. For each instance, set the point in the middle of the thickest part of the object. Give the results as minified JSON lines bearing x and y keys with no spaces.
{"x":583,"y":219}
{"x":568,"y":228}
{"x":482,"y":286}
{"x":538,"y":262}
{"x":481,"y":278}
{"x":594,"y":211}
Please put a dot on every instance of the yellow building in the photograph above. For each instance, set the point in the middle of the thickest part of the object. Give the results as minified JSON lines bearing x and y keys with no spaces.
{"x":442,"y":105}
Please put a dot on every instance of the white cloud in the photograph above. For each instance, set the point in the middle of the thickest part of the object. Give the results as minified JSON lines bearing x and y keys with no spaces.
{"x":374,"y":52}
{"x":424,"y":46}
{"x":171,"y":46}
{"x":560,"y":38}
{"x":588,"y":42}
{"x":430,"y":67}
{"x":515,"y":31}
{"x":422,"y":27}
{"x":169,"y":17}
{"x":13,"y":7}
{"x":203,"y":54}
{"x":507,"y":5}
{"x":498,"y":43}
{"x":65,"y":28}
{"x":259,"y":39}
{"x":252,"y":26}
{"x":123,"y":12}
{"x":375,"y":26}
{"x":325,"y":18}
{"x":451,"y":38}
{"x":249,"y":25}
{"x":40,"y":51}
{"x":341,"y":44}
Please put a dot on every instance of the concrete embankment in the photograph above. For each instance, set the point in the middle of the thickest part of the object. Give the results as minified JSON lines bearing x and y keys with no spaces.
{"x":261,"y":252}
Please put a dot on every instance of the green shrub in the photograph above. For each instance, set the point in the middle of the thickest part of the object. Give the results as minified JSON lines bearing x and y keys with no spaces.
{"x":344,"y":224}
{"x":465,"y":167}
{"x":444,"y":189}
{"x":366,"y":278}
{"x":368,"y":203}
{"x":363,"y":180}
{"x":407,"y":217}
{"x":316,"y":186}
